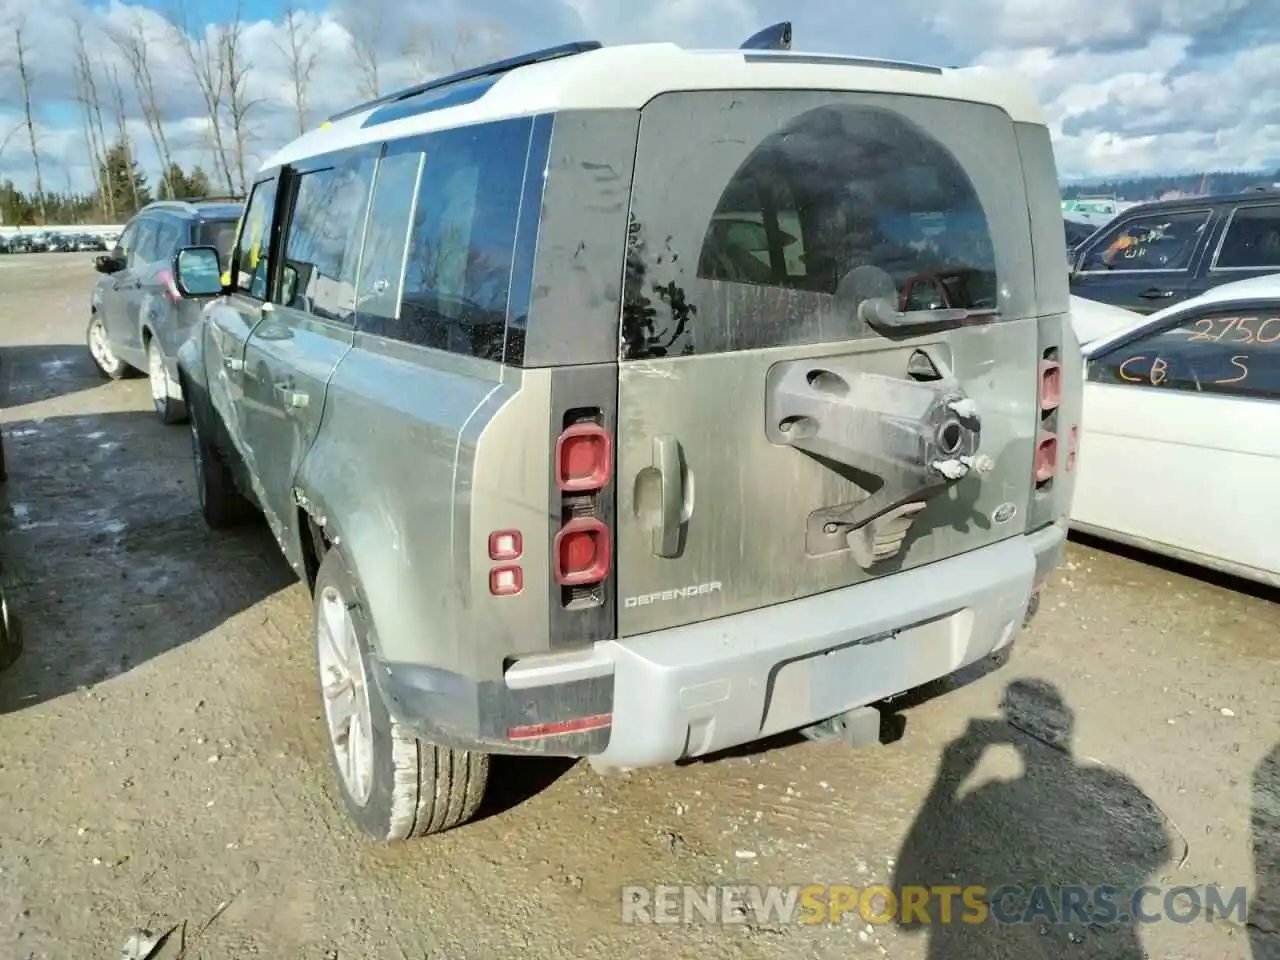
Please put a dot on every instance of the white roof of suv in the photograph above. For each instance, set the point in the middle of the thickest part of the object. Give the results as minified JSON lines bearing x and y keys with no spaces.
{"x":630,"y":76}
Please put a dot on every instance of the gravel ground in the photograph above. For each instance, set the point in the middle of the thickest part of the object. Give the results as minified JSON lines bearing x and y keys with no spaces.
{"x":162,"y":758}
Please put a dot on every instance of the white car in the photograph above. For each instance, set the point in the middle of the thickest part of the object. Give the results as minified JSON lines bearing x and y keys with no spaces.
{"x":1180,"y":446}
{"x":1092,"y":320}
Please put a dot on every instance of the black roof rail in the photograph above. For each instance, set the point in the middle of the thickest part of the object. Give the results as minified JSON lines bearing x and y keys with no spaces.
{"x":216,"y":198}
{"x":484,"y":70}
{"x":776,"y":37}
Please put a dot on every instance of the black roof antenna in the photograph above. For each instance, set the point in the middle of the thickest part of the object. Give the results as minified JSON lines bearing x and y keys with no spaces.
{"x":776,"y":37}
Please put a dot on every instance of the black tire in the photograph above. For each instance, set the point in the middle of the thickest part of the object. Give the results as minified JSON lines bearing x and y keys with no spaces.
{"x":415,"y":788}
{"x":108,"y":364}
{"x":169,"y":409}
{"x":221,"y":503}
{"x":10,"y":634}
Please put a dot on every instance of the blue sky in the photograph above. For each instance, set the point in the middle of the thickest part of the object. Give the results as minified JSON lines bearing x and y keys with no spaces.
{"x":1131,"y":86}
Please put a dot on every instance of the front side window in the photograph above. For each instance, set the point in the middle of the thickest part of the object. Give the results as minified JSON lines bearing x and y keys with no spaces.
{"x":1252,"y":240}
{"x":766,"y":218}
{"x":322,"y":244}
{"x":1233,"y":353}
{"x":1151,"y":242}
{"x":462,"y":237}
{"x":142,"y":251}
{"x":253,"y":250}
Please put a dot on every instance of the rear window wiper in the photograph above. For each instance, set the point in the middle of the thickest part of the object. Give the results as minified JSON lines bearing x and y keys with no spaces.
{"x":881,"y":312}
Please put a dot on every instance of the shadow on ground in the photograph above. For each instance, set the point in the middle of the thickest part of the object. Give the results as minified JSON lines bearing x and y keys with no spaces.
{"x":107,"y":560}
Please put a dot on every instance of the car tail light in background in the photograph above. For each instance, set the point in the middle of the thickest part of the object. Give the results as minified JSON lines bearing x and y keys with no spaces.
{"x":1046,"y":461}
{"x":170,"y":287}
{"x":584,"y":457}
{"x":582,"y":552}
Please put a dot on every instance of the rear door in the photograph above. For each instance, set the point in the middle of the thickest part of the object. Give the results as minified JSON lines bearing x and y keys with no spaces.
{"x":310,"y":323}
{"x":777,"y":434}
{"x":121,"y":301}
{"x":1144,"y":262}
{"x":1186,"y":414}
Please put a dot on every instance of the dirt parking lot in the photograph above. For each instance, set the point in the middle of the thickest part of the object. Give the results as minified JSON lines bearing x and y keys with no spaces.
{"x":162,"y":758}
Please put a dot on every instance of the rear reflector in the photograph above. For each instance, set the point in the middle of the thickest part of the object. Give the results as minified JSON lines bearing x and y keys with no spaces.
{"x":584,"y":457}
{"x":506,"y":581}
{"x":1050,"y":385}
{"x":1046,"y":457}
{"x":582,"y":552}
{"x":505,"y":545}
{"x":558,"y":728}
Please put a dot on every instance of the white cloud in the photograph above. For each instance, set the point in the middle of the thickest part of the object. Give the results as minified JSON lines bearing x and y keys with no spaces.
{"x":1131,"y":86}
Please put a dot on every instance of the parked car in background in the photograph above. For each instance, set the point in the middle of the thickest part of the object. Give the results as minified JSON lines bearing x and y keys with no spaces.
{"x":1077,"y":233}
{"x":1093,"y":320}
{"x":137,"y":319}
{"x":1158,"y":254}
{"x":1180,"y":452}
{"x":480,"y":449}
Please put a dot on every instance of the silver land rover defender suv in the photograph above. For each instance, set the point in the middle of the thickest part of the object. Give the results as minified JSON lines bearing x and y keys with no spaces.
{"x":634,"y":403}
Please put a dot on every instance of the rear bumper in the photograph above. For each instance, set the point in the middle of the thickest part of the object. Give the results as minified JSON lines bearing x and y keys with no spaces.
{"x":693,"y":690}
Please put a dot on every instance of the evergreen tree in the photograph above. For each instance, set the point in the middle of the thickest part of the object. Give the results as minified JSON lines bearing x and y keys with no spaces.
{"x":128,"y":184}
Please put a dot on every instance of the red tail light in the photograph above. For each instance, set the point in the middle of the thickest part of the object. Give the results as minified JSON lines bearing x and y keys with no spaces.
{"x":1046,"y":464}
{"x":170,"y":287}
{"x":584,"y":458}
{"x":505,"y":545}
{"x":582,"y":552}
{"x":506,"y":581}
{"x":1073,"y":443}
{"x":1050,"y":385}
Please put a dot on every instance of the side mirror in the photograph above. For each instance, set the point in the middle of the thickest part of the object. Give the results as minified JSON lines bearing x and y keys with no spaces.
{"x":107,"y":264}
{"x":197,"y":272}
{"x":289,"y":284}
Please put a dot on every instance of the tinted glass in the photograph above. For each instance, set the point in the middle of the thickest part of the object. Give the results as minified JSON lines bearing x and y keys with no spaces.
{"x":763,"y":219}
{"x":394,"y":196}
{"x":1232,"y":353}
{"x":143,"y":249}
{"x":1158,"y":241}
{"x":128,"y":239}
{"x":462,"y":238}
{"x":169,"y":233}
{"x":220,"y":234}
{"x":253,"y":251}
{"x":322,"y":243}
{"x":1252,"y":240}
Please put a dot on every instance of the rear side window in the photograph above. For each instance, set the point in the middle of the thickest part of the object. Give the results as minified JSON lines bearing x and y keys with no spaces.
{"x":1156,"y":241}
{"x":1252,"y":240}
{"x":395,"y":194}
{"x":322,"y":242}
{"x":763,"y":218}
{"x":219,"y":234}
{"x":462,"y":238}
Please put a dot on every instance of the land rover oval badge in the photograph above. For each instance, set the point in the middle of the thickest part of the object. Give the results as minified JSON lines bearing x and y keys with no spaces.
{"x":1004,"y":513}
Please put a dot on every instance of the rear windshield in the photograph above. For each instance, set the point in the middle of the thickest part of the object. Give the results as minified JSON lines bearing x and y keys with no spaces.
{"x":220,"y":234}
{"x":762,"y":218}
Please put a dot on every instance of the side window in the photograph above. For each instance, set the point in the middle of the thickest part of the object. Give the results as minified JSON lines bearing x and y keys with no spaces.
{"x":1153,"y":242}
{"x":395,"y":194}
{"x":252,"y":269}
{"x":322,"y":243}
{"x":462,"y":238}
{"x":142,"y":250}
{"x":1252,"y":240}
{"x":158,"y":241}
{"x":1233,"y":353}
{"x":128,"y":239}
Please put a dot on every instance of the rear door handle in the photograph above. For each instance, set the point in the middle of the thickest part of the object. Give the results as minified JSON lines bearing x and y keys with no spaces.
{"x":234,"y":364}
{"x":293,"y":399}
{"x":667,"y":461}
{"x":1155,"y":293}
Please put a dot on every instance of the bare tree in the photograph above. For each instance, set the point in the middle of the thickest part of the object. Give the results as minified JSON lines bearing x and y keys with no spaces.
{"x":95,"y":130}
{"x":366,"y":35}
{"x":239,"y":103}
{"x":204,"y":56}
{"x":428,"y":55}
{"x":24,"y":87}
{"x":301,"y":54}
{"x":122,"y":134}
{"x":133,"y":44}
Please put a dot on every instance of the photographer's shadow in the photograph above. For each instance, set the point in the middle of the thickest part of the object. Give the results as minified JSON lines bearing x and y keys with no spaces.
{"x":1062,"y":823}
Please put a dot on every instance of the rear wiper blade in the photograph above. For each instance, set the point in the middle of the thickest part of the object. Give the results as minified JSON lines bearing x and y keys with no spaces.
{"x":880,"y":312}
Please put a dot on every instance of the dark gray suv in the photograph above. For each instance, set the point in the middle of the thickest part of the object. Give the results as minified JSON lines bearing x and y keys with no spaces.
{"x":137,"y":319}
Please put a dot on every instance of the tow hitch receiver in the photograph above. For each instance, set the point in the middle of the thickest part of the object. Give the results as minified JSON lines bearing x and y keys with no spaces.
{"x":904,"y":441}
{"x":859,"y":727}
